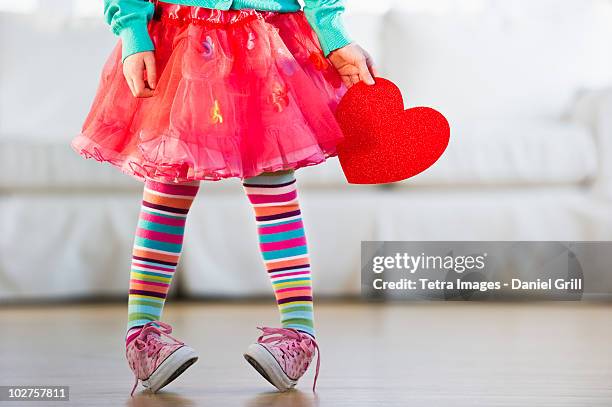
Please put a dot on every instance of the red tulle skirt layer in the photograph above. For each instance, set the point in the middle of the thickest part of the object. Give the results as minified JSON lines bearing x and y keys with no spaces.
{"x":240,"y":92}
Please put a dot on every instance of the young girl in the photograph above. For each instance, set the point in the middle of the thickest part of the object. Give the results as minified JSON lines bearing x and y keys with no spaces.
{"x":212,"y":89}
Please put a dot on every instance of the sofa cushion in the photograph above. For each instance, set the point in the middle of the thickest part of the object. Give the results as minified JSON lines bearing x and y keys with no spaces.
{"x":511,"y":59}
{"x":480,"y":152}
{"x":49,"y":73}
{"x":500,"y":152}
{"x":42,"y":164}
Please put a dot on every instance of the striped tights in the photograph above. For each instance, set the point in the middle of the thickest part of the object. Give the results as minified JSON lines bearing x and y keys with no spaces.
{"x":283,"y":246}
{"x":159,"y":240}
{"x":157,"y":248}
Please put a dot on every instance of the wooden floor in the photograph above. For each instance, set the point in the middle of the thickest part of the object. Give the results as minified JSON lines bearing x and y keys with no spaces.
{"x":429,"y":354}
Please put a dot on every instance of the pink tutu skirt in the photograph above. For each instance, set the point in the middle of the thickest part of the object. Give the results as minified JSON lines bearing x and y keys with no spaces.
{"x":240,"y":92}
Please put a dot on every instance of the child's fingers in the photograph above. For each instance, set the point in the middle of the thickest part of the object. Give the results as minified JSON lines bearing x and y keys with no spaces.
{"x":134,"y":71}
{"x":139,"y":85}
{"x":140,"y":90}
{"x":150,"y":66}
{"x":370,"y":64}
{"x":364,"y":72}
{"x":132,"y":82}
{"x":128,"y":80}
{"x":347,"y":81}
{"x":372,"y":67}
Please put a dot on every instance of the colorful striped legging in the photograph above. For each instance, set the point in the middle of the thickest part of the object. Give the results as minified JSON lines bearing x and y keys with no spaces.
{"x":159,"y":240}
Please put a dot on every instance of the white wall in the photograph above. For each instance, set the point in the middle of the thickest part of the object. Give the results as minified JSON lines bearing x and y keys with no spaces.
{"x":62,"y":7}
{"x":21,"y":6}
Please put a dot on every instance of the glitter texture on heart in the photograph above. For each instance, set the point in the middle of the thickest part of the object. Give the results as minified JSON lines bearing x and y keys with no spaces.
{"x":383,"y":142}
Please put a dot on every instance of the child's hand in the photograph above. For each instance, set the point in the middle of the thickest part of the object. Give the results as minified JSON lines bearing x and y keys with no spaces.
{"x":354,"y":65}
{"x":135,"y":67}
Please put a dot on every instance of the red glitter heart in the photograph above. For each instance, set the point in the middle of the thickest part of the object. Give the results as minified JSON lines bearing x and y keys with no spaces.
{"x":383,"y":142}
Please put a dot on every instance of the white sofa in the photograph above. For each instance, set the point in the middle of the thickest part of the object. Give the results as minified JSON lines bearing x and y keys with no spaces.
{"x":523,"y":84}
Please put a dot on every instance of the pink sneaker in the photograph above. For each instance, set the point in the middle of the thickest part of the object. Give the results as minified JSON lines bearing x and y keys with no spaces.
{"x":282,"y":356}
{"x":154,"y":361}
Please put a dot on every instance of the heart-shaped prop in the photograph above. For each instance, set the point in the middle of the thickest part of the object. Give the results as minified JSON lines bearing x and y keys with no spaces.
{"x":383,"y":142}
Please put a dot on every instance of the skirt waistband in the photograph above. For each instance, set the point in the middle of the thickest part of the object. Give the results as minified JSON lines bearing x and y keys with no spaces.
{"x":180,"y":15}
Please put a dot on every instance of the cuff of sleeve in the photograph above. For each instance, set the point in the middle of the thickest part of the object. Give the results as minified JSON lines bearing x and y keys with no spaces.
{"x":334,"y":36}
{"x":135,"y":39}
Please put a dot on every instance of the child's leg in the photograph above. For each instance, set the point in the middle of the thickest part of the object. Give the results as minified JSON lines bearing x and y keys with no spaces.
{"x":283,"y":246}
{"x":157,"y":248}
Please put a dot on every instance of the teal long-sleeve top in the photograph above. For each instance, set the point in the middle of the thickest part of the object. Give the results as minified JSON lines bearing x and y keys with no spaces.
{"x":129,"y":19}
